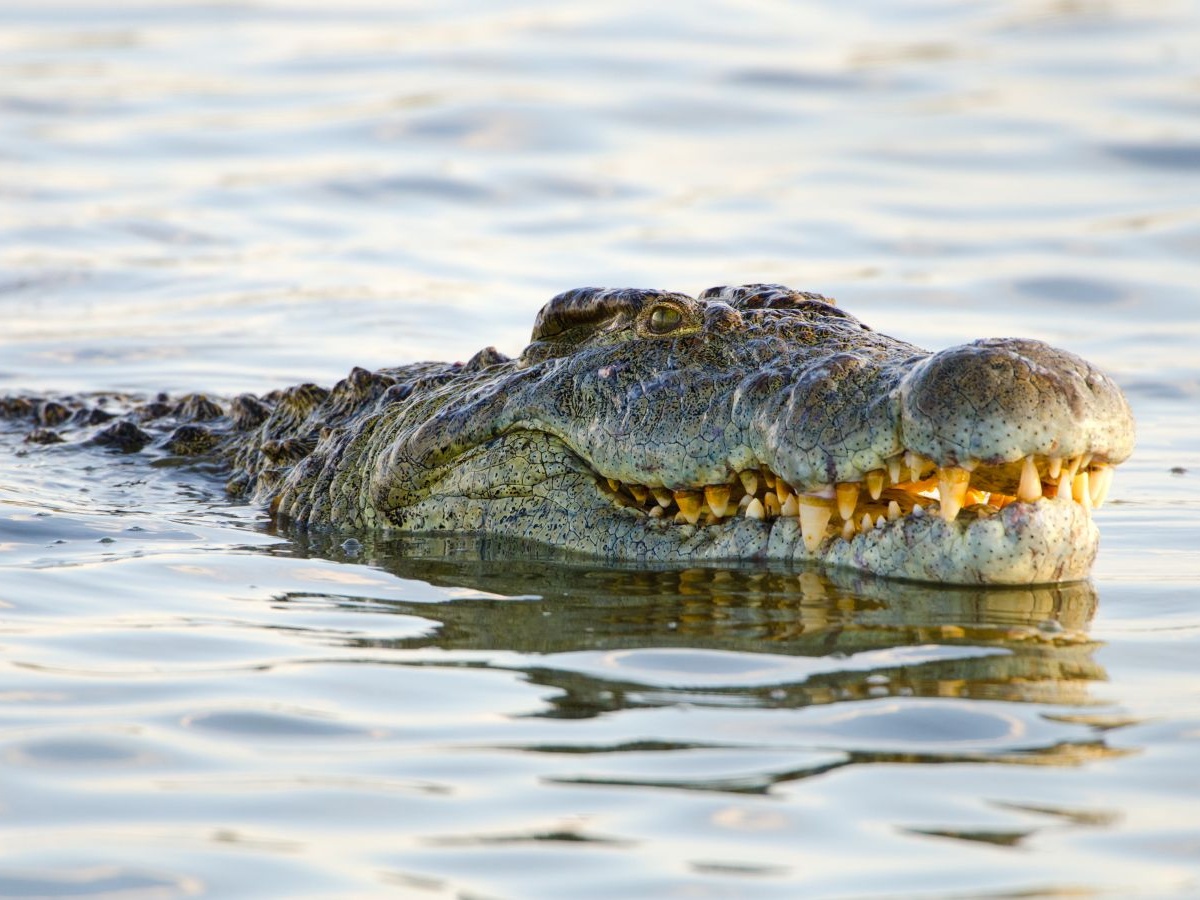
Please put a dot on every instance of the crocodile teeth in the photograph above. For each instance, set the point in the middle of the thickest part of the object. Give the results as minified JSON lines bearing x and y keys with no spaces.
{"x":763,"y":495}
{"x":815,"y":513}
{"x":952,"y":491}
{"x":771,"y":503}
{"x":749,"y":482}
{"x":689,"y":505}
{"x":847,"y":499}
{"x":1030,"y":488}
{"x":717,"y":498}
{"x":1101,"y":481}
{"x":1081,"y":490}
{"x":893,"y":465}
{"x":874,"y":484}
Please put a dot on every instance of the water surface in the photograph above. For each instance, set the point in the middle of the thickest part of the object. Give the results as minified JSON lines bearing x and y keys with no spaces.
{"x":239,"y":196}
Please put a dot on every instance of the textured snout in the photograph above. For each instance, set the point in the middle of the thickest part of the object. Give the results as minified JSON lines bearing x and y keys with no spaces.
{"x":998,"y":400}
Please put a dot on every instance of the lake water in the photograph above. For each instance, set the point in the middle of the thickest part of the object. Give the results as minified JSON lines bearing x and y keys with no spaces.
{"x":237,"y":196}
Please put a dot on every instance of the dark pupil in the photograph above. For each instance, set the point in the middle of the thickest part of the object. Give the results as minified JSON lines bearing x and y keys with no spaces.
{"x":664,"y":318}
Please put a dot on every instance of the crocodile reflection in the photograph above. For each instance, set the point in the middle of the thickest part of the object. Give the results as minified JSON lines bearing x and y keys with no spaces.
{"x":1033,"y":643}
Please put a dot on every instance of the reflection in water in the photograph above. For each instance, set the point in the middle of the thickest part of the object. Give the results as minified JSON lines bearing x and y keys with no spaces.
{"x":869,"y":638}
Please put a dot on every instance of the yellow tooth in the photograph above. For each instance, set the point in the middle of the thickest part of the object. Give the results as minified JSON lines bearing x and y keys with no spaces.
{"x":866,"y":524}
{"x":717,"y":498}
{"x":663,"y":497}
{"x":917,"y":464}
{"x":1053,"y":467}
{"x":749,"y":482}
{"x":614,"y":484}
{"x":769,"y":478}
{"x":847,"y":498}
{"x":952,"y":491}
{"x":640,"y":492}
{"x":783,"y":490}
{"x":656,"y":512}
{"x":893,"y":465}
{"x":754,"y":509}
{"x":771,"y":504}
{"x":893,"y":511}
{"x":848,"y":531}
{"x":815,"y":513}
{"x":791,"y":507}
{"x":689,"y":505}
{"x":1064,"y":484}
{"x":1030,"y":488}
{"x":1081,"y":490}
{"x":875,"y":483}
{"x":1101,"y":481}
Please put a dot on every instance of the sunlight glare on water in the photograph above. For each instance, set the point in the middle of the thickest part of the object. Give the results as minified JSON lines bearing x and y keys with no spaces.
{"x":236,"y":197}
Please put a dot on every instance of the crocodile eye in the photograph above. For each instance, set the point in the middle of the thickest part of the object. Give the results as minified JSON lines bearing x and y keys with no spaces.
{"x":664,"y":319}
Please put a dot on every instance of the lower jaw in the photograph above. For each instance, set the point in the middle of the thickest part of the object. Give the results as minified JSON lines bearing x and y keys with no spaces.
{"x":1047,"y":541}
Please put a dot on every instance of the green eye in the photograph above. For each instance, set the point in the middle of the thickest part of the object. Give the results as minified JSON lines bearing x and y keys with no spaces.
{"x":664,"y":319}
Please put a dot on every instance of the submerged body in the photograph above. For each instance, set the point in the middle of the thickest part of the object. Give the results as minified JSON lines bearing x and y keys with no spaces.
{"x":752,"y":422}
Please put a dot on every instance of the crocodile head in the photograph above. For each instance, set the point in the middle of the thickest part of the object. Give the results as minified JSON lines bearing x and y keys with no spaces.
{"x":749,"y":423}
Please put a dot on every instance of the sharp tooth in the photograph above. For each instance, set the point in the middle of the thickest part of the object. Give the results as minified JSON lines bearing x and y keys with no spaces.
{"x":848,"y":531}
{"x":791,"y":507}
{"x":663,"y":497}
{"x":880,"y":520}
{"x":1064,"y":484}
{"x":1101,"y":481}
{"x":893,"y":465}
{"x":717,"y":498}
{"x":749,"y":482}
{"x":769,"y":478}
{"x":917,"y":464}
{"x":1081,"y":490}
{"x":952,"y":491}
{"x":771,"y":504}
{"x":866,"y":524}
{"x":614,"y":484}
{"x":1053,"y":467}
{"x":1030,"y":488}
{"x":815,"y":513}
{"x":893,"y":511}
{"x":754,"y":509}
{"x":745,"y":501}
{"x":783,"y":489}
{"x":640,"y":492}
{"x":847,"y":498}
{"x":689,"y":505}
{"x":875,"y":483}
{"x":918,"y":510}
{"x":656,"y":512}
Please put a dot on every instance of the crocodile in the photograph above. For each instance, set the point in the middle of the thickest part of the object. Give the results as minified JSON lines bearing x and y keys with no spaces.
{"x":753,"y":422}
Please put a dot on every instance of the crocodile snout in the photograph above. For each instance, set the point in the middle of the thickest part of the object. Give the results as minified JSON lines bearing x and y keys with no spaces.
{"x":999,"y":400}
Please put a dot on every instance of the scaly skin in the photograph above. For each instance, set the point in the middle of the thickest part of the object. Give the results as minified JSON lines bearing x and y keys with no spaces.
{"x":603,"y":435}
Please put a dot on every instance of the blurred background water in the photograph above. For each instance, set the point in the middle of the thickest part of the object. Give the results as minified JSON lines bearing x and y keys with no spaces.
{"x":236,"y":196}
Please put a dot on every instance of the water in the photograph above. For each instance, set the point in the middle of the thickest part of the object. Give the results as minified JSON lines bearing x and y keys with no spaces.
{"x":239,"y":196}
